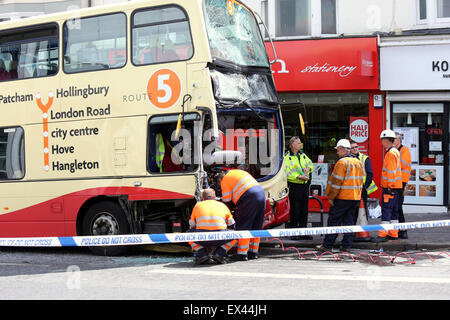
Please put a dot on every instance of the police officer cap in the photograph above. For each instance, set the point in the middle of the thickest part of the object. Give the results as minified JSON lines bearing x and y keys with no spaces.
{"x":387,"y":134}
{"x":343,"y":143}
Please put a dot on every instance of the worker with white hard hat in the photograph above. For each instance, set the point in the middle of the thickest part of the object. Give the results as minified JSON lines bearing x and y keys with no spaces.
{"x":391,"y":183}
{"x":344,"y":194}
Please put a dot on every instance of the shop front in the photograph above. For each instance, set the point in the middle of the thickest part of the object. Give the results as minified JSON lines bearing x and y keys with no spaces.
{"x":415,"y":73}
{"x":334,"y":84}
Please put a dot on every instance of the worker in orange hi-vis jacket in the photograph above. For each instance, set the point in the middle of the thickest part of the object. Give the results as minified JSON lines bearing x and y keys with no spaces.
{"x":245,"y":192}
{"x":344,"y":194}
{"x":211,"y":215}
{"x":405,"y":166}
{"x":391,"y":183}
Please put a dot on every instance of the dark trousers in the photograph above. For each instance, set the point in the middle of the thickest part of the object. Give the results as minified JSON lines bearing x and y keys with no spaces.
{"x":250,"y":209}
{"x":401,"y":198}
{"x":249,"y":215}
{"x":342,"y":213}
{"x":298,"y":199}
{"x":390,"y":204}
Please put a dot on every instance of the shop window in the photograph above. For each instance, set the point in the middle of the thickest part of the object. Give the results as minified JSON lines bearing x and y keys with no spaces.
{"x":327,"y":116}
{"x":422,"y":130}
{"x":426,"y":119}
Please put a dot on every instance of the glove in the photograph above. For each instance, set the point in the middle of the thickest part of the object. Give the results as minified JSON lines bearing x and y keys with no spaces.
{"x":331,"y":202}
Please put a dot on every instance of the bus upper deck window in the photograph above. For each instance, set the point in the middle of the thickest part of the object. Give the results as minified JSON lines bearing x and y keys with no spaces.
{"x":97,"y":43}
{"x":161,"y":35}
{"x":29,"y":52}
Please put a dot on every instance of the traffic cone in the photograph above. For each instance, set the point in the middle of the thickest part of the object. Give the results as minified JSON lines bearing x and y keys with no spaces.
{"x":362,"y":221}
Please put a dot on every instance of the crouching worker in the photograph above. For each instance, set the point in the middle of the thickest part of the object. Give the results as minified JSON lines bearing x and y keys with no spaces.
{"x":211,"y":215}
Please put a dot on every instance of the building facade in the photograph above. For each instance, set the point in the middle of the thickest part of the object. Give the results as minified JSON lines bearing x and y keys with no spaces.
{"x":400,"y":53}
{"x":415,"y":76}
{"x":347,"y":63}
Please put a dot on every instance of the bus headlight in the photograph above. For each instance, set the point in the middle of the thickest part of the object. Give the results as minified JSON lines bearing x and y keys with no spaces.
{"x":283,"y":193}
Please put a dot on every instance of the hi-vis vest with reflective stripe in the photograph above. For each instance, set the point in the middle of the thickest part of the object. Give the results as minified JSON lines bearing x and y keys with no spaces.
{"x":372,"y":187}
{"x":391,"y":174}
{"x":294,"y":167}
{"x":211,"y":215}
{"x":346,"y":181}
{"x":405,"y":163}
{"x":160,"y":150}
{"x":235,"y":183}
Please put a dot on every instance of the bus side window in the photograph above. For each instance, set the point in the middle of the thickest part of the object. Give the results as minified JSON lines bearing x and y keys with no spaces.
{"x":30,"y":53}
{"x":161,"y":35}
{"x":86,"y":50}
{"x":168,"y":153}
{"x":12,"y":153}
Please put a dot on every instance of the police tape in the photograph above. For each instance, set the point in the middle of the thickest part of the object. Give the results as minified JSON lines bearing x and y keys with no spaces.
{"x":143,"y":239}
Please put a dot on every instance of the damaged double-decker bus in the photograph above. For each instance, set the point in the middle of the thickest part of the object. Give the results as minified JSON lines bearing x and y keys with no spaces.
{"x":116,"y":117}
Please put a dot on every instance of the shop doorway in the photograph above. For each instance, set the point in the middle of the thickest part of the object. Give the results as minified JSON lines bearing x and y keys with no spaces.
{"x":425,"y":131}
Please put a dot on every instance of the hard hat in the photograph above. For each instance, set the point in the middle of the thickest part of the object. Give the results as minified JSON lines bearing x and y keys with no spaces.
{"x":343,"y":143}
{"x":387,"y":134}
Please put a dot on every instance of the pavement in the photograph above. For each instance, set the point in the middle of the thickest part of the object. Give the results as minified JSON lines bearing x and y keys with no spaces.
{"x":418,"y":239}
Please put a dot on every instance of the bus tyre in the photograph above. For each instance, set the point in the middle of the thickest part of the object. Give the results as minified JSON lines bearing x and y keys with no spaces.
{"x":105,"y":218}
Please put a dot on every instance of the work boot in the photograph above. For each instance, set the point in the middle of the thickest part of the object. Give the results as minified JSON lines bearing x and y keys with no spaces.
{"x":239,"y":257}
{"x":252,"y":255}
{"x":322,"y":248}
{"x":201,"y":257}
{"x":402,"y":234}
{"x":219,"y":255}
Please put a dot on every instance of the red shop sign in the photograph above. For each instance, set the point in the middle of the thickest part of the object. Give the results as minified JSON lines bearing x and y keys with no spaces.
{"x":327,"y":64}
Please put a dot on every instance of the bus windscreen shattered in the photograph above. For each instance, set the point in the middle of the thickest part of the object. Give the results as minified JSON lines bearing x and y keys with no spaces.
{"x":235,"y":87}
{"x":234,"y":34}
{"x":253,"y":133}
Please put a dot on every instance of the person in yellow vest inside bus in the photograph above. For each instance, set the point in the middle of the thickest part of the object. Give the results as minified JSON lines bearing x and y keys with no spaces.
{"x":298,"y":170}
{"x":207,"y":216}
{"x":164,"y":154}
{"x":344,"y":194}
{"x":391,"y":182}
{"x":369,"y":185}
{"x":240,"y":188}
{"x":405,"y":165}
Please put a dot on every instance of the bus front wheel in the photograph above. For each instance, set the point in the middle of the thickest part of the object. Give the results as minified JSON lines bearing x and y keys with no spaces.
{"x":105,"y":218}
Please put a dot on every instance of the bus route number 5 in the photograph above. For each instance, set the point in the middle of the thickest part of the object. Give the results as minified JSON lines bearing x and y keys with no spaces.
{"x":164,"y":88}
